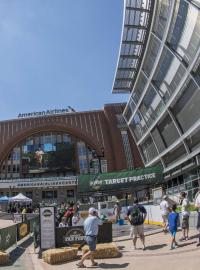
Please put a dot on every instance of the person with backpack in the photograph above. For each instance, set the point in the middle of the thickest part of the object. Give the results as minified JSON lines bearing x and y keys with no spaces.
{"x":136,"y":216}
{"x":185,"y":215}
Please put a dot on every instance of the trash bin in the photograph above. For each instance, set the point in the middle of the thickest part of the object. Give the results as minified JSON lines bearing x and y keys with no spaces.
{"x":121,"y":222}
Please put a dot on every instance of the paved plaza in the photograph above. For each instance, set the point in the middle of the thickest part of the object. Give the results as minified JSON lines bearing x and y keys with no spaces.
{"x":156,"y":256}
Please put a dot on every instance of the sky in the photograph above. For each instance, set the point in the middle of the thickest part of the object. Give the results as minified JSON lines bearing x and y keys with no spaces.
{"x":58,"y":53}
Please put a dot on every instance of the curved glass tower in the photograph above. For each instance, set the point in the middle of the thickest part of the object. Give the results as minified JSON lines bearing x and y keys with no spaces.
{"x":159,"y":65}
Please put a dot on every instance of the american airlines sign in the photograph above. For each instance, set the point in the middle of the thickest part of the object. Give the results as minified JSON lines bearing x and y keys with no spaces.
{"x":47,"y":112}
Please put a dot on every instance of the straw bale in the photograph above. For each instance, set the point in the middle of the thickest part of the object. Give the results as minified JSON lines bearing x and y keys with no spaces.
{"x":4,"y":258}
{"x":107,"y":250}
{"x":59,"y":255}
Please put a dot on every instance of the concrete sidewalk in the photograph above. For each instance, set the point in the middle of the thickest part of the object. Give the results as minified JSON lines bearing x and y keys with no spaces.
{"x":157,"y":256}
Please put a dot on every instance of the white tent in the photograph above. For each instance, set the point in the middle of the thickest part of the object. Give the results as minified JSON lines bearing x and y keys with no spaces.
{"x":20,"y":198}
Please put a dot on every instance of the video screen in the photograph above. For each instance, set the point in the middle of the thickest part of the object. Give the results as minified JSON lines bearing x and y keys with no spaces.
{"x":48,"y":157}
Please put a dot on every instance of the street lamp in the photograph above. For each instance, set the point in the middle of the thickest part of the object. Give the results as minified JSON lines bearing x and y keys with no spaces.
{"x":95,"y":155}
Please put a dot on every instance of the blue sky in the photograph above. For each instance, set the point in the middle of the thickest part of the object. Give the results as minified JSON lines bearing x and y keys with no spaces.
{"x":55,"y":53}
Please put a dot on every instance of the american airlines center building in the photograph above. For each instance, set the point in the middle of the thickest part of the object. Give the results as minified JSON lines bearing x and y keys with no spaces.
{"x":42,"y":153}
{"x":159,"y":67}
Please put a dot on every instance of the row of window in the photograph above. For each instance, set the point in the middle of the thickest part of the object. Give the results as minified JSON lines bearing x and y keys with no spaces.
{"x":181,"y":45}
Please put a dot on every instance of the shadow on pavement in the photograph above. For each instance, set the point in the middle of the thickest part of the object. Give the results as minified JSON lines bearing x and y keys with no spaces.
{"x":16,"y":253}
{"x":112,"y":265}
{"x":186,"y":244}
{"x":154,"y":247}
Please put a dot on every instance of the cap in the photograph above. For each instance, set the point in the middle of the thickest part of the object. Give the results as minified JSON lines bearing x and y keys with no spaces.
{"x":92,"y":210}
{"x":165,"y":197}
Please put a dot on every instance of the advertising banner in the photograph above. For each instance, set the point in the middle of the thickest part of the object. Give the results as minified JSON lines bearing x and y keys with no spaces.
{"x":47,"y":227}
{"x":22,"y":230}
{"x":69,"y":236}
{"x":119,"y":180}
{"x":8,"y":237}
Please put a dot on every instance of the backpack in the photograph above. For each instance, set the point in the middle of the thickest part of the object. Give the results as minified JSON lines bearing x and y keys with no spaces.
{"x":136,"y":216}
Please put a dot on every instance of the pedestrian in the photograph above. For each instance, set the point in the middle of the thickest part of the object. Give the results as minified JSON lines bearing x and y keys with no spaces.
{"x":69,"y":214}
{"x":117,"y":211}
{"x":185,"y":215}
{"x":197,"y":205}
{"x":173,"y":220}
{"x":63,"y":223}
{"x":164,"y":207}
{"x":91,"y":227}
{"x":136,"y":216}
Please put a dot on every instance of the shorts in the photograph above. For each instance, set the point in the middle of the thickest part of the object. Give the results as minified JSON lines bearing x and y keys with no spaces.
{"x":165,"y":218}
{"x":91,"y":241}
{"x":185,"y":222}
{"x":173,"y":233}
{"x":198,"y":221}
{"x":138,"y":230}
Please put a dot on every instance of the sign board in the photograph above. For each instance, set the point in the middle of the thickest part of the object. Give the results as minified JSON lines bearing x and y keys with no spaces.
{"x":47,"y":227}
{"x":119,"y":180}
{"x":22,"y":230}
{"x":69,"y":236}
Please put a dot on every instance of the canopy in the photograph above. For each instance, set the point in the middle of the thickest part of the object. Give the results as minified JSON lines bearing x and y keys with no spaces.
{"x":20,"y":198}
{"x":4,"y":199}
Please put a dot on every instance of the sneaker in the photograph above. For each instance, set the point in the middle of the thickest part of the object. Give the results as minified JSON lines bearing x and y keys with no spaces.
{"x":144,"y":248}
{"x":183,"y":239}
{"x":198,"y":244}
{"x":171,"y":248}
{"x":186,"y":238}
{"x":95,"y":264}
{"x":80,"y":265}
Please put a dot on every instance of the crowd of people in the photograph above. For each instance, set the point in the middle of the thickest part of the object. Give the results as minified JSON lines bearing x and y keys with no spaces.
{"x":67,"y":215}
{"x":171,"y":218}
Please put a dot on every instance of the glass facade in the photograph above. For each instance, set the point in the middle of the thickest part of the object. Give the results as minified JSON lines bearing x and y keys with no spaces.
{"x":163,"y":110}
{"x":45,"y":155}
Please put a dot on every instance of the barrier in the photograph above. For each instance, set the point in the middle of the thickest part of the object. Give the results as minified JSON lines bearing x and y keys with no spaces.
{"x":8,"y":237}
{"x":70,"y":236}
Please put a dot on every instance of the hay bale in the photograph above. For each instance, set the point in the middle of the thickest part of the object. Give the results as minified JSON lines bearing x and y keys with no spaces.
{"x":4,"y":258}
{"x":108,"y":250}
{"x":59,"y":255}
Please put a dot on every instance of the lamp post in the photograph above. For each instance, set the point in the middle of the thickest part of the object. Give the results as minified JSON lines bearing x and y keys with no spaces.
{"x":94,"y":155}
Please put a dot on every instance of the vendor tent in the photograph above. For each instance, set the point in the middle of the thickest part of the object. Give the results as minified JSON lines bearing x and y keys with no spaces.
{"x":20,"y":198}
{"x":4,"y":199}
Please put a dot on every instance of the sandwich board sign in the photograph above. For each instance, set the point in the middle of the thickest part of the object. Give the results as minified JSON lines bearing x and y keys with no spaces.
{"x":47,"y":227}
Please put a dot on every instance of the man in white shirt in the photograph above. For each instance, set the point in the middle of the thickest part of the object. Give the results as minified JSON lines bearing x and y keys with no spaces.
{"x":164,"y":207}
{"x":91,"y":228}
{"x":197,"y":204}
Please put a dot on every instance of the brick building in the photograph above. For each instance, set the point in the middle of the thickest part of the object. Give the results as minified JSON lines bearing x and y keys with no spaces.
{"x":41,"y":149}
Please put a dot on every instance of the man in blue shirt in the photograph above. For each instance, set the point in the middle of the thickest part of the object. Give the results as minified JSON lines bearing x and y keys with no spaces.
{"x":91,"y":228}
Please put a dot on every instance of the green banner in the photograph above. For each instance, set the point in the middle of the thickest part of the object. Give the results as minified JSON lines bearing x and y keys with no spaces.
{"x":7,"y":237}
{"x":119,"y":180}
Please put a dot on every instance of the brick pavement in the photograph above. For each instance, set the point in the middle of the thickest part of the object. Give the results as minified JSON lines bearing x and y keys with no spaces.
{"x":157,"y":256}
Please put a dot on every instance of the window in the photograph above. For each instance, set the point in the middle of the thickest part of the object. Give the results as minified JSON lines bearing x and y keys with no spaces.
{"x":151,"y":106}
{"x":152,"y":53}
{"x":168,"y":130}
{"x":186,"y":108}
{"x":174,"y":155}
{"x":148,"y":150}
{"x":162,"y":14}
{"x":184,"y":32}
{"x":168,"y":74}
